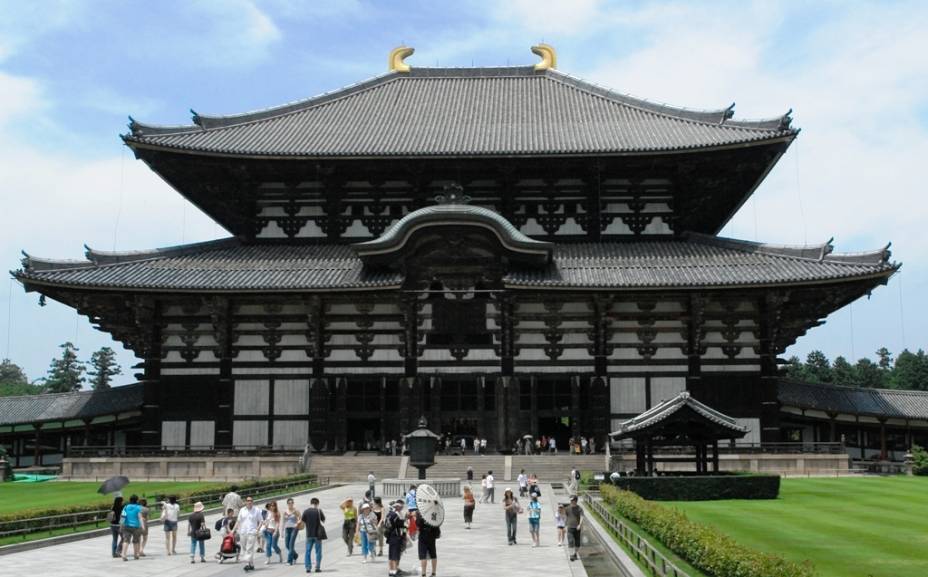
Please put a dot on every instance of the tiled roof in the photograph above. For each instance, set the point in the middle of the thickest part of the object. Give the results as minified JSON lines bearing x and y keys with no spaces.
{"x":668,"y":408}
{"x":853,"y":400}
{"x":692,"y":261}
{"x":67,"y":406}
{"x":462,"y":111}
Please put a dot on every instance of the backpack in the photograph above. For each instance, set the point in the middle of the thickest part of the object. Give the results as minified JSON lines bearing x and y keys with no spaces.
{"x":577,"y":475}
{"x":228,"y":544}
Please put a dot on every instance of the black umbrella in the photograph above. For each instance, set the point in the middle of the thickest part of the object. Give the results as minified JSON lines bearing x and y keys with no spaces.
{"x":113,"y":484}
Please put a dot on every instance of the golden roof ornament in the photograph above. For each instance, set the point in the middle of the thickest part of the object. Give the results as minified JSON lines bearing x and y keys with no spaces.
{"x":397,"y":55}
{"x":548,"y":56}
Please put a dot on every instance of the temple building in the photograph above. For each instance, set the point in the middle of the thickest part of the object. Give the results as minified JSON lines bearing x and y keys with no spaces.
{"x":506,"y":251}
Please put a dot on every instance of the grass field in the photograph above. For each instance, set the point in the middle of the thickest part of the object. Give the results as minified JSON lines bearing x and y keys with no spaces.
{"x":22,"y":496}
{"x":848,"y":527}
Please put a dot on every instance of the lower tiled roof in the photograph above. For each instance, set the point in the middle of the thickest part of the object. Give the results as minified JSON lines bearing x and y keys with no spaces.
{"x":666,"y":409}
{"x":854,"y":400}
{"x":68,"y":406}
{"x":229,"y":265}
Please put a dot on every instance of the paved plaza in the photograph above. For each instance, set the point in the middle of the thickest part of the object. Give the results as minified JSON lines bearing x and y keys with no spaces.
{"x":461,"y":552}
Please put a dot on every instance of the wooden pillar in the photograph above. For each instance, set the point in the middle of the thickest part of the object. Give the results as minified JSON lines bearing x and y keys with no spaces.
{"x":481,"y":403}
{"x":435,"y":407}
{"x":832,"y":428}
{"x":341,"y":411}
{"x":37,"y":450}
{"x":715,"y":456}
{"x":87,"y":431}
{"x":147,"y":313}
{"x":640,"y":465}
{"x":575,"y":407}
{"x":883,"y":453}
{"x":533,"y":425}
{"x":220,"y":310}
{"x":383,"y":412}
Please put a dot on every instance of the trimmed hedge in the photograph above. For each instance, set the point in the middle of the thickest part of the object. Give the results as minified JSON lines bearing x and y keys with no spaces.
{"x":702,"y":488}
{"x":702,"y":546}
{"x":21,"y":519}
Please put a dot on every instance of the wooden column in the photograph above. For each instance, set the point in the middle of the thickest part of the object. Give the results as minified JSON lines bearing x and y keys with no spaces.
{"x":769,"y":318}
{"x":575,"y":406}
{"x":410,"y":306}
{"x":37,"y":449}
{"x":220,"y":310}
{"x":715,"y":456}
{"x":883,"y":452}
{"x":148,"y":317}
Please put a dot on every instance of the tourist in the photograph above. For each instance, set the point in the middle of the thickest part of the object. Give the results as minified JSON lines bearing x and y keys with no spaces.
{"x":574,"y":514}
{"x":483,"y":489}
{"x":483,"y":446}
{"x":463,"y":445}
{"x":533,"y":485}
{"x":372,"y":484}
{"x":196,"y":523}
{"x":170,"y":511}
{"x":470,"y":474}
{"x":411,"y":508}
{"x":573,"y":483}
{"x":476,"y":445}
{"x":427,"y":550}
{"x":537,"y":446}
{"x":584,"y":446}
{"x":247,"y":525}
{"x":145,"y":512}
{"x":132,"y":524}
{"x":552,"y":446}
{"x":271,"y":531}
{"x":560,"y":521}
{"x":491,"y":489}
{"x":534,"y":519}
{"x":513,"y":508}
{"x":522,"y":480}
{"x":313,"y":519}
{"x":114,"y":515}
{"x":367,"y":531}
{"x":291,"y":530}
{"x":469,"y":504}
{"x":349,"y":524}
{"x":592,"y":445}
{"x":380,"y":514}
{"x":396,"y":536}
{"x":232,"y":500}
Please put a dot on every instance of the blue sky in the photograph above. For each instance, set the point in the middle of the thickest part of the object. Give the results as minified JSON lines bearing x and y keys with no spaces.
{"x":855,"y":75}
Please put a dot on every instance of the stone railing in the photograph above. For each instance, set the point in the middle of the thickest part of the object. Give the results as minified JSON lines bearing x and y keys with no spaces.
{"x":398,"y":487}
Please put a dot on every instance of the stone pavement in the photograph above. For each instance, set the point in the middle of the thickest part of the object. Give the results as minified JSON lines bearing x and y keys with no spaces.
{"x":460,"y":552}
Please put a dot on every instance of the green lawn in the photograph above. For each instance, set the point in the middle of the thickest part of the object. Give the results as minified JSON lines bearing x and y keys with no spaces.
{"x":21,"y":496}
{"x":848,"y":527}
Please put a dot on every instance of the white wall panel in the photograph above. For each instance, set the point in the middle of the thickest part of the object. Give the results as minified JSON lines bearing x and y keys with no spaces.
{"x":666,"y":388}
{"x":290,"y":434}
{"x":753,"y":435}
{"x":249,"y":433}
{"x":291,"y":397}
{"x":252,"y":397}
{"x":202,"y":433}
{"x":627,"y":394}
{"x":174,"y":434}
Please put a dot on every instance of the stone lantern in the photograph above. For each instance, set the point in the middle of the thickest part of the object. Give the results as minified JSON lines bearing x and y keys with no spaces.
{"x":421,"y":444}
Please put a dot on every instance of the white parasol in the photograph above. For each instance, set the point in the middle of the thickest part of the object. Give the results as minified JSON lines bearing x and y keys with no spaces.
{"x":429,"y":504}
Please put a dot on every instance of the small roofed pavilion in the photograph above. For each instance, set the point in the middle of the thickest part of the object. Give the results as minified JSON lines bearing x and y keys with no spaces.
{"x":679,"y":422}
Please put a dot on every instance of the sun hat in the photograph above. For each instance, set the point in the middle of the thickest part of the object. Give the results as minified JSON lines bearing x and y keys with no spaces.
{"x":197,"y":507}
{"x":365,"y":506}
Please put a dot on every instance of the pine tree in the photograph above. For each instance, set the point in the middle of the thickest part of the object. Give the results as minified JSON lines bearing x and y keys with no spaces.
{"x":65,"y":374}
{"x":13,"y":380}
{"x":818,"y":368}
{"x":844,"y":373}
{"x":103,"y":368}
{"x":870,"y":374}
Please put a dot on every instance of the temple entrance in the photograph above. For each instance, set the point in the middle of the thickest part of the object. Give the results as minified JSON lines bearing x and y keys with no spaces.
{"x":363,"y":434}
{"x":557,"y":427}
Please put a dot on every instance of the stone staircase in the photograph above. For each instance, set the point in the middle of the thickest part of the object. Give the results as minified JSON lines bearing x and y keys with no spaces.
{"x":354,"y":468}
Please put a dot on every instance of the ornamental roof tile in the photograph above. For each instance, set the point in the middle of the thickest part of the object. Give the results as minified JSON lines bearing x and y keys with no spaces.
{"x":882,"y":403}
{"x":665,"y":409}
{"x":444,"y":112}
{"x":66,"y":406}
{"x":229,"y":265}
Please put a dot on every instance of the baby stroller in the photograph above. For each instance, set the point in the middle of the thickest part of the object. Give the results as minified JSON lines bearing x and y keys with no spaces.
{"x":229,"y":548}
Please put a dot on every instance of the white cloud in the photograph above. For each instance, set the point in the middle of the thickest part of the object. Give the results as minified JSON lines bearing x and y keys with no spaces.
{"x":19,"y":97}
{"x":541,"y":17}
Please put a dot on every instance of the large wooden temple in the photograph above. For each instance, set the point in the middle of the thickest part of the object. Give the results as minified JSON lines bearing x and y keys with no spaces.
{"x":505,"y":250}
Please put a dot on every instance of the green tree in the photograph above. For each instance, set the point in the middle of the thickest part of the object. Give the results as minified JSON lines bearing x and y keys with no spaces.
{"x":66,"y":373}
{"x":13,"y":381}
{"x":885,"y":358}
{"x":869,"y":374}
{"x":103,"y":368}
{"x":843,"y":372}
{"x":818,"y":368}
{"x":910,"y":371}
{"x":795,"y":369}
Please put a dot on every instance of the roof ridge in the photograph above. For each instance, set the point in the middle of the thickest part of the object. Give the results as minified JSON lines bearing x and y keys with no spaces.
{"x":914,"y":393}
{"x":821,"y":252}
{"x":104,"y":258}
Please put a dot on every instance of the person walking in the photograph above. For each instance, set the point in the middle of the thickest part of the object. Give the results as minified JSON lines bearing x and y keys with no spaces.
{"x":395,"y":530}
{"x":270,"y":528}
{"x":372,"y":484}
{"x":469,"y":505}
{"x":170,"y":511}
{"x":483,"y":489}
{"x":552,"y":446}
{"x":534,"y":520}
{"x":367,"y":531}
{"x":380,"y":514}
{"x":574,"y":514}
{"x":483,"y":446}
{"x":491,"y":488}
{"x":232,"y":500}
{"x":512,"y":508}
{"x":313,"y":520}
{"x":114,"y":515}
{"x":522,"y":480}
{"x":349,"y":524}
{"x":145,"y":512}
{"x":291,"y":522}
{"x":427,"y":549}
{"x":132,"y":525}
{"x":560,"y":521}
{"x":476,"y":445}
{"x":195,"y":524}
{"x":247,"y":525}
{"x":470,"y":474}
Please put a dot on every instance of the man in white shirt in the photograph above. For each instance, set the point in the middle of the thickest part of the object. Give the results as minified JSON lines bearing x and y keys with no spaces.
{"x":522,"y":479}
{"x":552,"y":446}
{"x":232,"y":500}
{"x":483,"y":446}
{"x":249,"y":519}
{"x":371,"y":483}
{"x":490,"y":488}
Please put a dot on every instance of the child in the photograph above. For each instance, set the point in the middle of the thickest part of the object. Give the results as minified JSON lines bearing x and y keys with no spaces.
{"x":534,"y":519}
{"x":560,"y":521}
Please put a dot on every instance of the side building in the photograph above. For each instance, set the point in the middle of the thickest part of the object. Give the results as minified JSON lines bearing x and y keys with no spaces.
{"x":507,"y":251}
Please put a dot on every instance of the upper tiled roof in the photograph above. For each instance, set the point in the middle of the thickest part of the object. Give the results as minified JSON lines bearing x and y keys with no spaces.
{"x":462,"y":111}
{"x":67,"y":406}
{"x":228,"y":265}
{"x":666,"y":409}
{"x":853,"y":400}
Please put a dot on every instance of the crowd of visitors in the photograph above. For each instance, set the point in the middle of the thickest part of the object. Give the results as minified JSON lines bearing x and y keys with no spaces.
{"x":246,"y":529}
